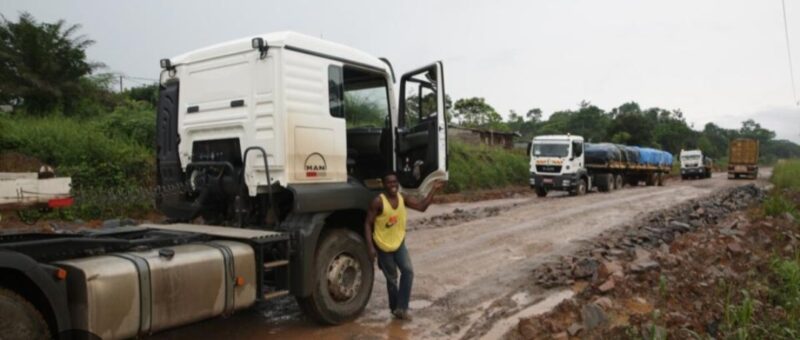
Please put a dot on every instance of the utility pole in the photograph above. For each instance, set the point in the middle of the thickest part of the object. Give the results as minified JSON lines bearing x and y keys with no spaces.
{"x":120,"y":83}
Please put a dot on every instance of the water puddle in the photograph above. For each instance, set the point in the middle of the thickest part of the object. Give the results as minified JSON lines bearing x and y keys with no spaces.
{"x":501,"y":327}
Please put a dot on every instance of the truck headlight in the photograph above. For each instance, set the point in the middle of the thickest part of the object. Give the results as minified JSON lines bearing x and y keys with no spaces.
{"x":565,"y":183}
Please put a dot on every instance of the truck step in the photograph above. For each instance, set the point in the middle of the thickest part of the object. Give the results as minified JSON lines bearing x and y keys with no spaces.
{"x":275,"y":294}
{"x":275,"y":264}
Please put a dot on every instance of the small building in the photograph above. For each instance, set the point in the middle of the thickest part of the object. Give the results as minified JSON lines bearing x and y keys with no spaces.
{"x":483,"y":136}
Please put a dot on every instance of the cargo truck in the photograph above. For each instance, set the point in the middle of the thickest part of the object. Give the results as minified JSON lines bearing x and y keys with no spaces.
{"x":565,"y":163}
{"x":258,"y":136}
{"x":695,"y":164}
{"x":743,"y":158}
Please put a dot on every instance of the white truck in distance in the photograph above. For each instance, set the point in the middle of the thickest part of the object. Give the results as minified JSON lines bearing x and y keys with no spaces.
{"x":557,"y":164}
{"x":694,"y":164}
{"x":564,"y":162}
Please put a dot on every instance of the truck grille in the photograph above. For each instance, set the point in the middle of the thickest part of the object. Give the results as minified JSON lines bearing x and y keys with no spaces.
{"x":548,"y":168}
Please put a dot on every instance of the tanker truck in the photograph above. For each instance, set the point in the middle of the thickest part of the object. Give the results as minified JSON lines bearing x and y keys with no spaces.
{"x":566,"y":163}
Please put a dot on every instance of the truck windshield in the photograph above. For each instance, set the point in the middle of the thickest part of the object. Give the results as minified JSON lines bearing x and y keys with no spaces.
{"x":690,"y":157}
{"x":550,"y":150}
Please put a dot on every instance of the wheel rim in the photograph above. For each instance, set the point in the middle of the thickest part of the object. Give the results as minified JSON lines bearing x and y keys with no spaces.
{"x":344,"y":277}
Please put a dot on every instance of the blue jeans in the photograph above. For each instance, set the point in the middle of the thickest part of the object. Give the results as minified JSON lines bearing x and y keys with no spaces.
{"x":389,"y":264}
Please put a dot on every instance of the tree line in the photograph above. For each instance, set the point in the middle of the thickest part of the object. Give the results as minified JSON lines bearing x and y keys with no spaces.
{"x":628,"y":124}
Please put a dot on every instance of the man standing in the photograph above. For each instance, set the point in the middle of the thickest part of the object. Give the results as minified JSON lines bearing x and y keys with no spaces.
{"x":386,"y":223}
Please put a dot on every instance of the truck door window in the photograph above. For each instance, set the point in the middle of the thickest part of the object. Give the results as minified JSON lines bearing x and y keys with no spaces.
{"x":336,"y":91}
{"x":420,"y":103}
{"x":577,"y":149}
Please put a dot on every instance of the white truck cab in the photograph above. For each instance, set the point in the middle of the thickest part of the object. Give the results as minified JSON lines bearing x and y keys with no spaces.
{"x":557,"y":162}
{"x":694,"y":164}
{"x":327,"y":117}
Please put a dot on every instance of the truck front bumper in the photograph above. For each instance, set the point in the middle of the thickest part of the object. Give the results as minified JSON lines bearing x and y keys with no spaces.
{"x":554,"y":181}
{"x":692,"y":171}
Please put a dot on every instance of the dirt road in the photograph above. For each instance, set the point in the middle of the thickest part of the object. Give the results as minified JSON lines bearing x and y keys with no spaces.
{"x":473,"y":265}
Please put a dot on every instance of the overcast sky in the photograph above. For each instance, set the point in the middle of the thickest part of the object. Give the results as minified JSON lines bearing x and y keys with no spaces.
{"x":719,"y":61}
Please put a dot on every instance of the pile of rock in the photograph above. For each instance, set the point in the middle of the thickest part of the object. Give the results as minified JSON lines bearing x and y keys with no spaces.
{"x":636,"y":244}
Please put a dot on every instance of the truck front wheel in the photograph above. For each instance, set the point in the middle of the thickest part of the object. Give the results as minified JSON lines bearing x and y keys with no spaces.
{"x":20,"y":320}
{"x":344,"y":275}
{"x":580,"y":189}
{"x":541,"y":191}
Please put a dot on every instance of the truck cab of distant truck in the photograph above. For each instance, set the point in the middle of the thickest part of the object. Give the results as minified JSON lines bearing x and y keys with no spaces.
{"x":694,"y":164}
{"x":557,"y":163}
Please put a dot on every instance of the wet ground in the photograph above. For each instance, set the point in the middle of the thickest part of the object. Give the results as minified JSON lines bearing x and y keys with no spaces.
{"x":473,"y":264}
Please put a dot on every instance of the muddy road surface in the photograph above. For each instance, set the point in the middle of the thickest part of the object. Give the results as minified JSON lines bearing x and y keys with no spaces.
{"x":473,"y":265}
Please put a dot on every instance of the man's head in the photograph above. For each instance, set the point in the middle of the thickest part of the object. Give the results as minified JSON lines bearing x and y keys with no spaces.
{"x":390,"y":184}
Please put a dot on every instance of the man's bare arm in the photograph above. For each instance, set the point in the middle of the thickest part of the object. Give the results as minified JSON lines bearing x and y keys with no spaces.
{"x":374,"y":209}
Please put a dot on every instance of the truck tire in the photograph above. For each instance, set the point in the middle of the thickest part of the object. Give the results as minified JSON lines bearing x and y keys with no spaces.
{"x":580,"y":189}
{"x":619,"y":182}
{"x":20,"y":320}
{"x":344,"y":276}
{"x":612,"y":182}
{"x":650,"y":180}
{"x":604,"y":183}
{"x":660,"y":179}
{"x":541,"y":191}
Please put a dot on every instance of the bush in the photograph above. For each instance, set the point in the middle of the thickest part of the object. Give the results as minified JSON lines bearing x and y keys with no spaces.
{"x":482,"y":167}
{"x":96,"y":161}
{"x":134,"y":121}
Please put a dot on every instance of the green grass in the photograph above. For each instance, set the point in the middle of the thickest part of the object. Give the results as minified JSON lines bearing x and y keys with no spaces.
{"x":786,"y":178}
{"x":786,"y":175}
{"x":475,"y":167}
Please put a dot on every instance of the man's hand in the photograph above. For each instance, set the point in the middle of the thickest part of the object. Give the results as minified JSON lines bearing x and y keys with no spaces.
{"x":438,"y":186}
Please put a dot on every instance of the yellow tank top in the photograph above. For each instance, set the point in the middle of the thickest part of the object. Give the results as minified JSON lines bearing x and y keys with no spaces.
{"x":390,"y":226}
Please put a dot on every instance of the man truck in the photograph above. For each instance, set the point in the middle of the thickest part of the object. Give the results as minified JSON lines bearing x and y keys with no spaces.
{"x":268,"y":138}
{"x":563,"y":162}
{"x":743,"y":158}
{"x":694,"y":164}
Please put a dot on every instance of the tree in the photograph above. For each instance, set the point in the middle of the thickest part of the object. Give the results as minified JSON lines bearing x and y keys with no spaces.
{"x":145,"y":93}
{"x":632,"y":122}
{"x":475,"y":112}
{"x":42,"y":64}
{"x":534,"y":115}
{"x":751,"y":129}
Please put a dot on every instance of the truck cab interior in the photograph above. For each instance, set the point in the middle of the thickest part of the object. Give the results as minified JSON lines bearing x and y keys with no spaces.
{"x":361,"y":97}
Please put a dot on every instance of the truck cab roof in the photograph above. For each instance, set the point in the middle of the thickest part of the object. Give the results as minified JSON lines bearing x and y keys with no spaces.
{"x":557,"y":138}
{"x":284,"y":39}
{"x":691,"y":153}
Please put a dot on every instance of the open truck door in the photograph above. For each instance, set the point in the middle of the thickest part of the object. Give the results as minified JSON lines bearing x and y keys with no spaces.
{"x":421,"y":130}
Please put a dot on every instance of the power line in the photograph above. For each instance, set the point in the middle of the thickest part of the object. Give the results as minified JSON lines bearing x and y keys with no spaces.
{"x":789,"y":52}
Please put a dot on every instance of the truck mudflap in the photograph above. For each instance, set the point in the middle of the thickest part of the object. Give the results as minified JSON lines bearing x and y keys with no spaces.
{"x":123,"y":295}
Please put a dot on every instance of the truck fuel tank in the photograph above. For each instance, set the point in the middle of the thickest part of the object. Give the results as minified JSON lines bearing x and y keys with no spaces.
{"x":123,"y":295}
